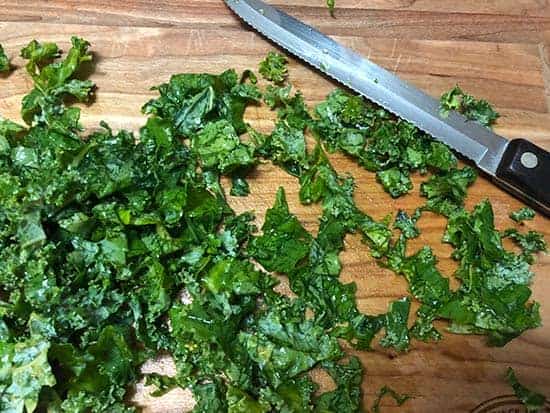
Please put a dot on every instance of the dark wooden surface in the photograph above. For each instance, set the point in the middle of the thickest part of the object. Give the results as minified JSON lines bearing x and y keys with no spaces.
{"x":496,"y":49}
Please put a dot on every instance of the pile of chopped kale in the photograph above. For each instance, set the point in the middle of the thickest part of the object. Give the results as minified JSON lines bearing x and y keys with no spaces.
{"x":115,"y":247}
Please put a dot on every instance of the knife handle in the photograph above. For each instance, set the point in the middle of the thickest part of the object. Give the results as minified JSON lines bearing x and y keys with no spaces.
{"x":525,"y":171}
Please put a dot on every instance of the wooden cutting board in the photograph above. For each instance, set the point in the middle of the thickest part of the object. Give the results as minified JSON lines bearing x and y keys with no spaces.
{"x":495,"y":49}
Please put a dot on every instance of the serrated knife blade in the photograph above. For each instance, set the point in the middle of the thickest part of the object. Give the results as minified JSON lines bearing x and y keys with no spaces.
{"x":476,"y":142}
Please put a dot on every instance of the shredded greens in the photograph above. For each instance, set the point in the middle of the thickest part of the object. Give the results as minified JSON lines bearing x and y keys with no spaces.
{"x":116,"y":247}
{"x":532,"y":400}
{"x":523,"y":214}
{"x":478,"y":110}
{"x":4,"y":61}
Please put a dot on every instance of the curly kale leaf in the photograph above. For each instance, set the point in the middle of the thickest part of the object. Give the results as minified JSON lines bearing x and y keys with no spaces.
{"x":378,"y":141}
{"x":446,"y":192}
{"x":530,"y":243}
{"x":274,"y":67}
{"x":331,"y":4}
{"x":189,"y":101}
{"x":4,"y":61}
{"x":397,"y":331}
{"x":400,"y":399}
{"x":407,"y":224}
{"x":54,"y":81}
{"x":285,"y":345}
{"x":532,"y":400}
{"x":284,"y":242}
{"x":219,"y":148}
{"x":523,"y":214}
{"x":24,"y":372}
{"x":493,"y":297}
{"x":478,"y":110}
{"x":347,"y":395}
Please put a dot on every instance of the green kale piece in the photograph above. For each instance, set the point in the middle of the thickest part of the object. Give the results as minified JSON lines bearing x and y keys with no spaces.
{"x":285,"y":345}
{"x":446,"y":192}
{"x":532,"y":400}
{"x":53,"y":82}
{"x":284,"y":242}
{"x":530,"y":243}
{"x":523,"y":214}
{"x":189,"y":101}
{"x":378,"y":141}
{"x":24,"y":372}
{"x":478,"y":110}
{"x":397,"y":331}
{"x":219,"y":148}
{"x":291,"y":109}
{"x":274,"y":67}
{"x":210,"y":397}
{"x":331,"y":4}
{"x":286,"y":147}
{"x":4,"y":61}
{"x":347,"y":395}
{"x":407,"y":224}
{"x":400,"y":399}
{"x":295,"y":395}
{"x":395,"y":182}
{"x":493,"y":297}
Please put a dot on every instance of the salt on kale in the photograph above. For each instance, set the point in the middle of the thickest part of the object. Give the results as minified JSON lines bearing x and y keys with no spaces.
{"x":4,"y":61}
{"x":523,"y":214}
{"x":532,"y":400}
{"x":274,"y":67}
{"x":478,"y":110}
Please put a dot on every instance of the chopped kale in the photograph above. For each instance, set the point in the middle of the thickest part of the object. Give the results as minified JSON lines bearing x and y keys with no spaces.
{"x":331,"y":4}
{"x":4,"y":61}
{"x":523,"y":214}
{"x":400,"y":399}
{"x":378,"y":141}
{"x":478,"y":110}
{"x":532,"y":400}
{"x":116,"y":247}
{"x":446,"y":192}
{"x":274,"y":67}
{"x":54,"y":81}
{"x":347,"y":395}
{"x":397,"y":331}
{"x":407,"y":224}
{"x":530,"y":243}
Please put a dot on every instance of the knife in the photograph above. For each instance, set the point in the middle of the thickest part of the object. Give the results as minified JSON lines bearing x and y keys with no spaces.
{"x":518,"y":166}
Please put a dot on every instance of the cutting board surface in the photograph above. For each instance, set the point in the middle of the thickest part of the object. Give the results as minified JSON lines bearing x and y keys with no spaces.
{"x":495,"y":49}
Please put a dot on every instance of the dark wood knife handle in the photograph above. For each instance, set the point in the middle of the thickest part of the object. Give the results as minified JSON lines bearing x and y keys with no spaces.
{"x":525,"y":170}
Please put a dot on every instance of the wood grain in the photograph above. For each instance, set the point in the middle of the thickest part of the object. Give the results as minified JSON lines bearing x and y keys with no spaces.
{"x":496,"y":49}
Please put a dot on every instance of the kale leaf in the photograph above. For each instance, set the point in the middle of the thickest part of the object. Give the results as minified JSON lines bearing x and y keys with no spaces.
{"x":478,"y":110}
{"x":4,"y":61}
{"x":532,"y":400}
{"x":523,"y":214}
{"x":274,"y":67}
{"x":400,"y":399}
